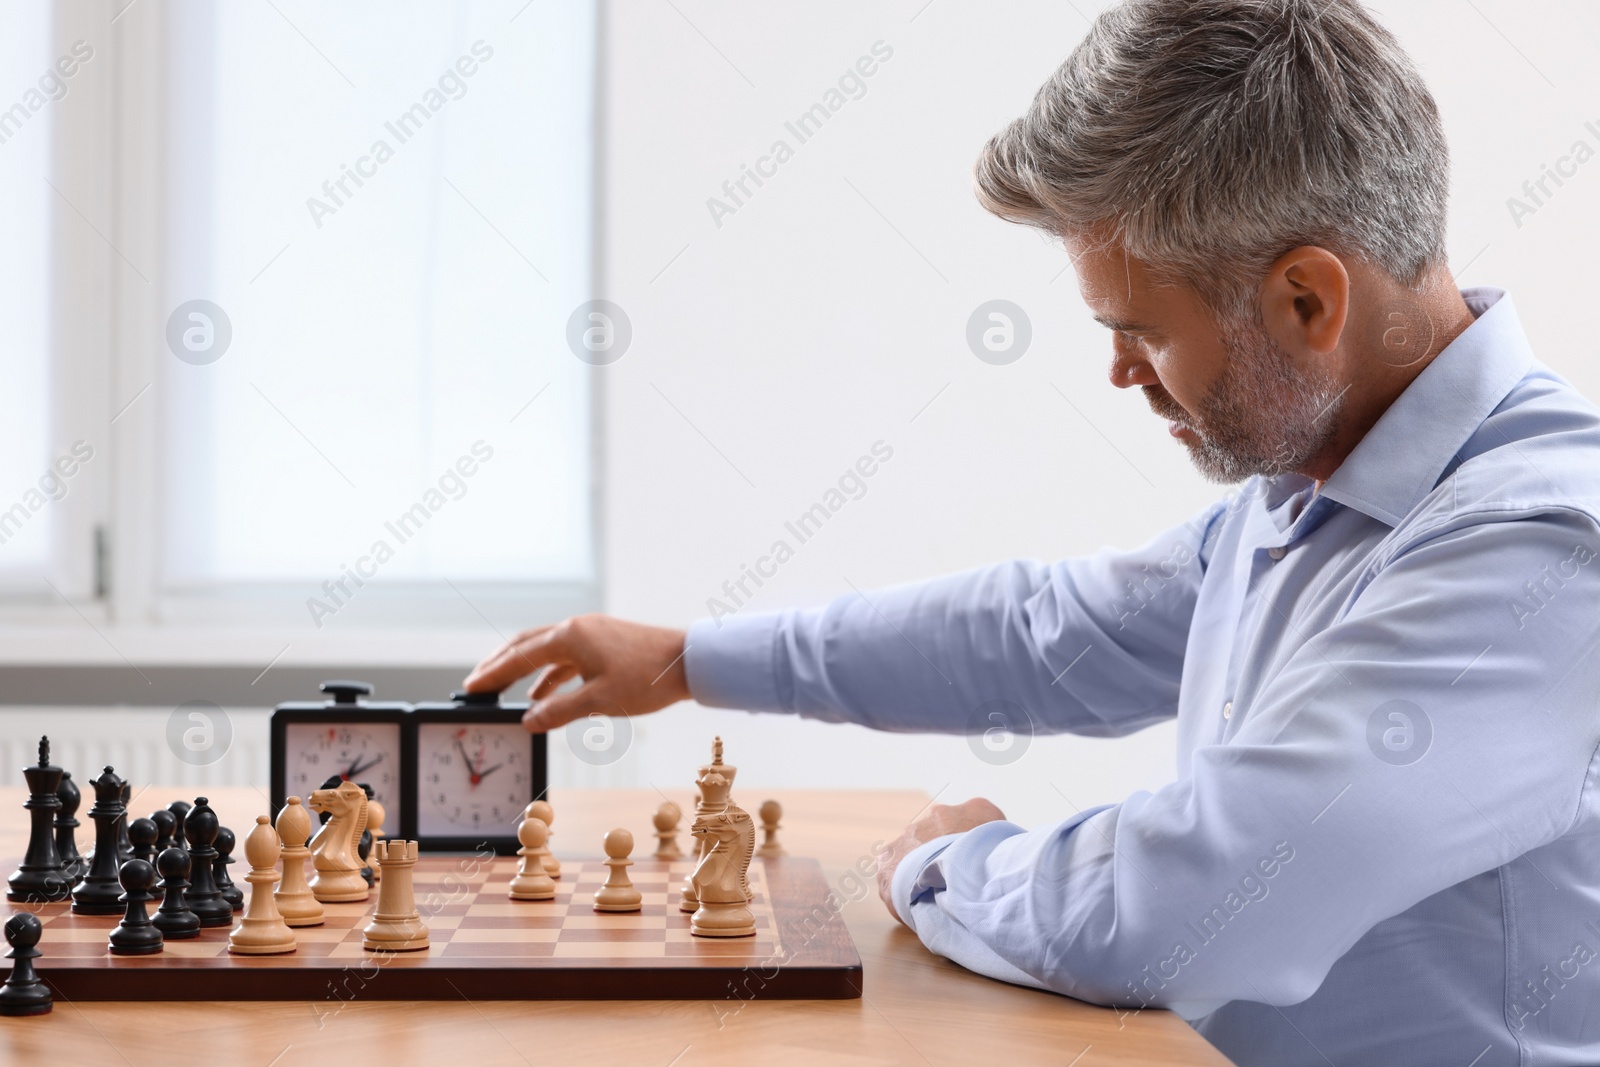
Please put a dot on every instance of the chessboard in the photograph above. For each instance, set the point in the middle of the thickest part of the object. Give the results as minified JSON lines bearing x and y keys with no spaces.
{"x":486,"y":946}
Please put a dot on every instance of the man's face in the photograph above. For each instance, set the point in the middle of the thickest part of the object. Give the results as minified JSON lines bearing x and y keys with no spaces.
{"x":1231,"y":393}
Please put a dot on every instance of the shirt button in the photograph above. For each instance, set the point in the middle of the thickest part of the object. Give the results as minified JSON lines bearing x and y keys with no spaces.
{"x":1227,"y":710}
{"x":1277,"y":553}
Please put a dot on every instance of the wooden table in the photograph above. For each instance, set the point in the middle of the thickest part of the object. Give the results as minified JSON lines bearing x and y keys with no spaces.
{"x":915,"y":1008}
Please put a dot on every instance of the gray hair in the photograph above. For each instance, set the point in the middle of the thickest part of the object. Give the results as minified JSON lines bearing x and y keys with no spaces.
{"x":1209,"y":137}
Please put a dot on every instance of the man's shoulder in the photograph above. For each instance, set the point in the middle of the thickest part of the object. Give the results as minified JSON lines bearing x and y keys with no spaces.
{"x":1537,"y":453}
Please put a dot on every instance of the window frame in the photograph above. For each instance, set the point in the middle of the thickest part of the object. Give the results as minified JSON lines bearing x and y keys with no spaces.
{"x":106,"y":364}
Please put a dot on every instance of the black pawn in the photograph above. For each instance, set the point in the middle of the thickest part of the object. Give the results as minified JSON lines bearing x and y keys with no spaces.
{"x":124,"y":846}
{"x":23,"y":993}
{"x":165,"y":822}
{"x":40,"y":876}
{"x":180,"y":811}
{"x":200,"y":828}
{"x":219,"y":870}
{"x":143,"y":834}
{"x":136,"y":935}
{"x":174,"y":919}
{"x":100,"y":893}
{"x":73,"y":865}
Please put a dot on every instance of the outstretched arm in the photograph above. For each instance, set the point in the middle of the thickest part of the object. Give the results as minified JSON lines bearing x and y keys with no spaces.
{"x":1089,"y":645}
{"x":1092,"y":646}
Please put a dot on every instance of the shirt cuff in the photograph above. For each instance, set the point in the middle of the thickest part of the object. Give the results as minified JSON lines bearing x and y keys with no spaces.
{"x":907,"y":884}
{"x":730,"y":663}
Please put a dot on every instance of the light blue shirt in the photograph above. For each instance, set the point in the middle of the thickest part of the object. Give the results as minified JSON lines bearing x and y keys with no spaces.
{"x":1383,"y":846}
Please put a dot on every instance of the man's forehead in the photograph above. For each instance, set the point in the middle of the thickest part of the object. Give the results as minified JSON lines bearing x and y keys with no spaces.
{"x":1110,"y":280}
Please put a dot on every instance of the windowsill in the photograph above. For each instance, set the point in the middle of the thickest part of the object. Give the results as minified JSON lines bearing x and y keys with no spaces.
{"x":174,"y":646}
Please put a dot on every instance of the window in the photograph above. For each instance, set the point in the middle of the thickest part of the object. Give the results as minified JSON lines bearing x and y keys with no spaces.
{"x":344,"y":243}
{"x":28,"y":523}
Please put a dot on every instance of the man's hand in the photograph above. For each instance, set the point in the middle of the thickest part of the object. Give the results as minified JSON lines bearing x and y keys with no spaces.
{"x":939,"y":820}
{"x":627,"y":669}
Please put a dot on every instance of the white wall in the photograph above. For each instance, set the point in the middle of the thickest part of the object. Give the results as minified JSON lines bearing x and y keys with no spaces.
{"x":804,"y":328}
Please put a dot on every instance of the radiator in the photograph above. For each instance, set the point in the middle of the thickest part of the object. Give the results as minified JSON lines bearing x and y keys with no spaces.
{"x":133,"y":741}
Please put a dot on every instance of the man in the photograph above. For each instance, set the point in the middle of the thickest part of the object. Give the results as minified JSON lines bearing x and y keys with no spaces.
{"x":1384,"y":844}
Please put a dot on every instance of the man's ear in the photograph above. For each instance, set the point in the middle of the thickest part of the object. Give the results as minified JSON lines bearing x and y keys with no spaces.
{"x":1305,"y":300}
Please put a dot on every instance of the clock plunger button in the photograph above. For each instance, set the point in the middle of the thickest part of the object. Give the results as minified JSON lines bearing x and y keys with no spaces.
{"x":346,"y":692}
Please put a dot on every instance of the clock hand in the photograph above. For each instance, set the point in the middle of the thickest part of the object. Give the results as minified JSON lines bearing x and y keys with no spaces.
{"x":359,"y":768}
{"x":472,"y":771}
{"x":488,"y":771}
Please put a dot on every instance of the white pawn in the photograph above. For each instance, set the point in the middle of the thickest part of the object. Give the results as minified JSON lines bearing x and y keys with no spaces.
{"x":531,"y":882}
{"x":666,"y":822}
{"x":771,"y":812}
{"x":296,"y":903}
{"x":618,"y":894}
{"x":375,"y":817}
{"x":262,"y":931}
{"x":541,"y":809}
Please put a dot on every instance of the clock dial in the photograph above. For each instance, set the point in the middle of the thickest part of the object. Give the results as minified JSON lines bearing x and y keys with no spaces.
{"x":472,"y":778}
{"x":368,"y":753}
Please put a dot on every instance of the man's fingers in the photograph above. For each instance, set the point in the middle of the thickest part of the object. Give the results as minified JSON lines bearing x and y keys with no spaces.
{"x":551,"y":680}
{"x":505,"y":646}
{"x":524,"y":655}
{"x":556,"y":711}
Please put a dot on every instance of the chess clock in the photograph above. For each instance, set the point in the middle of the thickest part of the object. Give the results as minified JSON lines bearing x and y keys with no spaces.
{"x":360,"y":740}
{"x":474,"y":769}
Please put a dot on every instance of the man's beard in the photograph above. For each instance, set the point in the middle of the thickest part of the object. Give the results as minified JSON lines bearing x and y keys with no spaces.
{"x":1262,"y":416}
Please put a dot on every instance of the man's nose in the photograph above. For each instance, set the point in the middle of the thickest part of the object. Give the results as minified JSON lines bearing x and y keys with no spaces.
{"x":1128,"y":367}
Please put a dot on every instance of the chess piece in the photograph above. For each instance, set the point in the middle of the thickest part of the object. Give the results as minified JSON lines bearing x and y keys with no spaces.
{"x":100,"y":892}
{"x":375,"y":817}
{"x":142,"y":833}
{"x":173,"y":918}
{"x":532,"y":881}
{"x":337,"y":865}
{"x":73,"y":866}
{"x":166,"y":823}
{"x":364,"y":849}
{"x":219,"y":870}
{"x":721,"y":878}
{"x":262,"y":931}
{"x":396,"y":926}
{"x":180,"y":811}
{"x":40,"y":877}
{"x":136,"y":935}
{"x":541,"y":810}
{"x":23,"y":993}
{"x":200,"y":827}
{"x":124,"y":844}
{"x":666,"y":819}
{"x":618,"y":894}
{"x":771,"y":812}
{"x":707,"y":803}
{"x":296,"y":903}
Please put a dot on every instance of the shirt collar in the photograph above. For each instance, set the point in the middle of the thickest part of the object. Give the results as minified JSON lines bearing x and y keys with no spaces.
{"x":1400,"y":459}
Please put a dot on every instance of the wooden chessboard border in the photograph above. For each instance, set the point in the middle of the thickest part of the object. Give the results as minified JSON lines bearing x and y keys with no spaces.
{"x":819,"y":962}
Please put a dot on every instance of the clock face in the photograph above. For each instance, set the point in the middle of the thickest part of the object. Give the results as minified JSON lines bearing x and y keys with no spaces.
{"x":363,"y":752}
{"x":473,"y":778}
